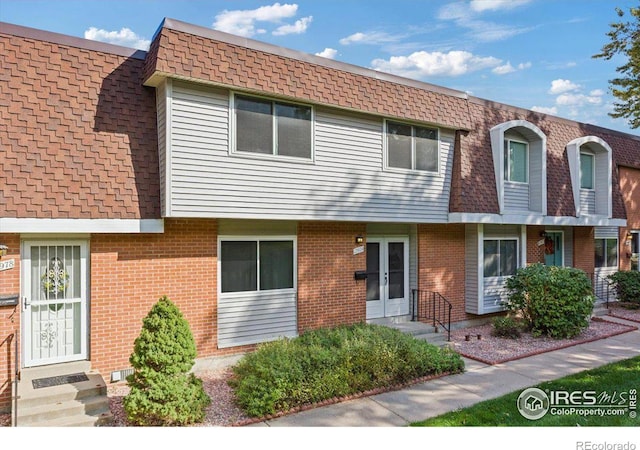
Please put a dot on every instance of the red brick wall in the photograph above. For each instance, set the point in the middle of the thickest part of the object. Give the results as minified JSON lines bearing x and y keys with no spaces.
{"x":535,"y":253}
{"x":630,"y":188}
{"x":327,"y":293}
{"x":9,"y":318}
{"x":584,"y":249}
{"x":441,"y":250}
{"x":129,"y":273}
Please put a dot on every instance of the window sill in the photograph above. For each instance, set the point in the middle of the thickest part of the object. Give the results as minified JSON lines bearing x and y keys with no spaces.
{"x":272,"y":158}
{"x":267,"y":293}
{"x":413,"y":172}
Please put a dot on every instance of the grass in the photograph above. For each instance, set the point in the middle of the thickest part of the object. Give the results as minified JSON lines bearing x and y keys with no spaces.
{"x":620,"y":377}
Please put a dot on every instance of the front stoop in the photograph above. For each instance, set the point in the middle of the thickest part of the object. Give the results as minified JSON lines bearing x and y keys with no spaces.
{"x":84,"y":403}
{"x":600,"y":309}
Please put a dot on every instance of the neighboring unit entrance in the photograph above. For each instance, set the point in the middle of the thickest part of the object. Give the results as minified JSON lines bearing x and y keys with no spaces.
{"x":387,"y":277}
{"x":54,"y":301}
{"x":553,"y":249}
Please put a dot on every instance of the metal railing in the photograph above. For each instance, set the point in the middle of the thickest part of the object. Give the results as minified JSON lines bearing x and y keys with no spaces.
{"x":16,"y":378}
{"x":602,"y":289}
{"x":428,"y":305}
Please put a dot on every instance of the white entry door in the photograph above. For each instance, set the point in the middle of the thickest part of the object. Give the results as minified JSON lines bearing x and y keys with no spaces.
{"x":387,"y":277}
{"x":54,"y":301}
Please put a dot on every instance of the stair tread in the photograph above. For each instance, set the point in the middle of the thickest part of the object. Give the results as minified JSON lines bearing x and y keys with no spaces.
{"x":26,"y":390}
{"x":102,"y":418}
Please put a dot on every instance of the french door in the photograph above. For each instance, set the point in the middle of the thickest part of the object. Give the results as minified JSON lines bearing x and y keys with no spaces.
{"x":54,"y":301}
{"x":387,"y":276}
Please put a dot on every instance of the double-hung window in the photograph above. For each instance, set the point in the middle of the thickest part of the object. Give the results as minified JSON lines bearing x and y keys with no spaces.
{"x":412,"y":147}
{"x":516,"y":161}
{"x":500,"y":257}
{"x":587,"y":170}
{"x":606,"y":253}
{"x":270,"y":127}
{"x":248,"y":265}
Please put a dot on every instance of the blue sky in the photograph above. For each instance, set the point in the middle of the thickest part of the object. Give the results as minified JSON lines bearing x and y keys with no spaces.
{"x":535,"y":54}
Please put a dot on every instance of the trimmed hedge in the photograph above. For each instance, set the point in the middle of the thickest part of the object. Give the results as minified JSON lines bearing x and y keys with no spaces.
{"x":553,"y":301}
{"x":327,"y":363}
{"x":627,"y":286}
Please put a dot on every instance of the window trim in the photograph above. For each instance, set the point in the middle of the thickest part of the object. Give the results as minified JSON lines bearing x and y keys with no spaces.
{"x":385,"y":148}
{"x":606,"y":255}
{"x":506,"y":156}
{"x":257,"y":239}
{"x":593,"y":170}
{"x":273,"y":156}
{"x":501,"y":238}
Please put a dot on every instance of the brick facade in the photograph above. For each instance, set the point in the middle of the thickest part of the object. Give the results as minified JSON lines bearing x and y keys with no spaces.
{"x":328,"y":295}
{"x":441,"y":250}
{"x":9,"y":318}
{"x":630,"y":188}
{"x":584,"y":249}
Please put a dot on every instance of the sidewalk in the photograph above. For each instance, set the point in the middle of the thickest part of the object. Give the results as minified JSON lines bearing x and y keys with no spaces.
{"x":479,"y":382}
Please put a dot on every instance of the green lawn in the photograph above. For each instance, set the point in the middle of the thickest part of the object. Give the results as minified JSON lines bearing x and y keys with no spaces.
{"x":618,"y":377}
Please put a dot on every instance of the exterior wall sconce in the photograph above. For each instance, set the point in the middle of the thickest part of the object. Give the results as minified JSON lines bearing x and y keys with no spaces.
{"x":3,"y":250}
{"x":359,"y":239}
{"x":628,"y":239}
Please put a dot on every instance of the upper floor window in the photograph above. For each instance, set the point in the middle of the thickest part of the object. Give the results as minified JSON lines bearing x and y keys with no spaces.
{"x":412,"y":147}
{"x":587,"y":170}
{"x":272,"y":128}
{"x":516,"y":161}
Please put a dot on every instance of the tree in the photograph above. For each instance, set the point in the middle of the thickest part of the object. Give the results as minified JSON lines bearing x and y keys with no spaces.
{"x":625,"y":41}
{"x":163,"y":392}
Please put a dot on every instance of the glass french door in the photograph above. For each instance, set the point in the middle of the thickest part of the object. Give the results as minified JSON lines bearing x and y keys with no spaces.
{"x":54,"y":301}
{"x":387,"y":277}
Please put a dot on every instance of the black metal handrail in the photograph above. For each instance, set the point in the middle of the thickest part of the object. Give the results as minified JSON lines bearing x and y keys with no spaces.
{"x":430,"y":305}
{"x":601,"y":288}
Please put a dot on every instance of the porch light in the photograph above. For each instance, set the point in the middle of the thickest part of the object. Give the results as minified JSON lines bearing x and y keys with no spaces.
{"x":359,"y":239}
{"x":628,"y":239}
{"x":3,"y":250}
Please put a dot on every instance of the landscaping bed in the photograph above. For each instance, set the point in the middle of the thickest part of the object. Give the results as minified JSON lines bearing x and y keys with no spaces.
{"x":621,"y":312}
{"x":495,"y":350}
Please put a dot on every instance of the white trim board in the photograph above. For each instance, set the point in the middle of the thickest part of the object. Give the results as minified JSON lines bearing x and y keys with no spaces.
{"x":534,"y":219}
{"x":66,"y":226}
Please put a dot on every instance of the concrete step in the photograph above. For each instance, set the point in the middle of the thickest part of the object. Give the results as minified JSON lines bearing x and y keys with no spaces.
{"x":54,"y":370}
{"x":71,"y":410}
{"x":600,"y":309}
{"x":28,"y":396}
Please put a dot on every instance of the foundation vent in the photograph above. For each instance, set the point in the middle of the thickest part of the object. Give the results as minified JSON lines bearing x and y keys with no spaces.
{"x":120,"y":375}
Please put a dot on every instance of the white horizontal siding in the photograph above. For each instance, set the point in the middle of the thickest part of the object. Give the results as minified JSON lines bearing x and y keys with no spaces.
{"x":587,"y":201}
{"x":471,"y":269}
{"x":606,"y":232}
{"x":346,"y":180}
{"x":516,"y":196}
{"x":494,"y":294}
{"x":256,"y":317}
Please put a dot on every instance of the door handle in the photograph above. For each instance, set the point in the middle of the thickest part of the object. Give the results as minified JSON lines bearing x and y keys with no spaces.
{"x":25,"y":303}
{"x":385,"y":279}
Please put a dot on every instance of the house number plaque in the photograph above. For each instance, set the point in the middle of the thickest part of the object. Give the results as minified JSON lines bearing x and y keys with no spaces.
{"x":8,"y":264}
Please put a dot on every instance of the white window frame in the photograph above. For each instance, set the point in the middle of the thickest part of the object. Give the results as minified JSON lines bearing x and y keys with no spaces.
{"x":593,"y":170}
{"x":606,"y":256}
{"x":413,"y":148}
{"x":274,"y":145}
{"x":500,"y":238}
{"x":507,"y":157}
{"x":257,"y":239}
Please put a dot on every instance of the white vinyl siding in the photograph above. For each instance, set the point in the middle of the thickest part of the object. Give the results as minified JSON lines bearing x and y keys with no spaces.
{"x":590,"y":166}
{"x":161,"y":118}
{"x":516,"y":196}
{"x":258,"y":303}
{"x":587,"y":201}
{"x":345,"y":181}
{"x":471,"y":268}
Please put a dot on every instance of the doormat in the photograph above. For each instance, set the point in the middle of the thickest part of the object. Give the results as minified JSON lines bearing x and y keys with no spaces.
{"x":57,"y":381}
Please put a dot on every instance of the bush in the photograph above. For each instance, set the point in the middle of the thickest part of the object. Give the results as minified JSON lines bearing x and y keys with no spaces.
{"x":627,"y":286}
{"x":507,"y":326}
{"x":552,"y":301}
{"x":162,"y":390}
{"x":327,"y":363}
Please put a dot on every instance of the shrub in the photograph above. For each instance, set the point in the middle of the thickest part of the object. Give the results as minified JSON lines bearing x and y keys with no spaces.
{"x":162,"y":390}
{"x":553,"y":301}
{"x":336,"y":362}
{"x":627,"y":286}
{"x":507,"y":326}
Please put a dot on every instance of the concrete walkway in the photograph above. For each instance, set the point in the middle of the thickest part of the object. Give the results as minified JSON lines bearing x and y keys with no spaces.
{"x":479,"y":382}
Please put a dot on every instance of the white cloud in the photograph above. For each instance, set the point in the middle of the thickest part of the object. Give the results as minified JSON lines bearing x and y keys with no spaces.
{"x":330,"y":53}
{"x":299,"y":27}
{"x":569,"y":99}
{"x":504,"y":69}
{"x":496,"y":5}
{"x":124,"y":37}
{"x":370,"y":37}
{"x":243,"y":22}
{"x":423,"y":64}
{"x":545,"y":109}
{"x":561,"y":86}
{"x":523,"y":66}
